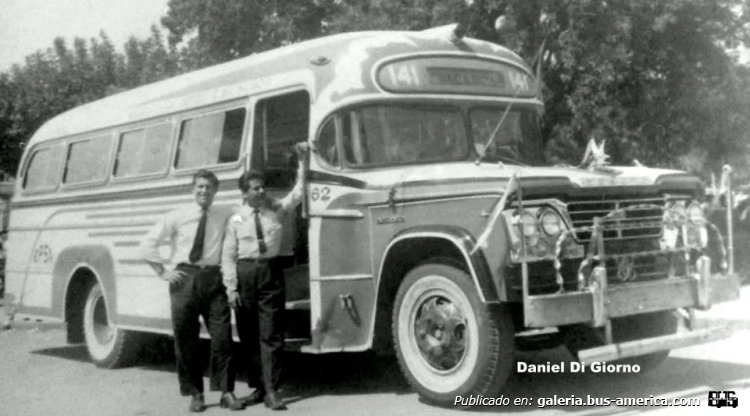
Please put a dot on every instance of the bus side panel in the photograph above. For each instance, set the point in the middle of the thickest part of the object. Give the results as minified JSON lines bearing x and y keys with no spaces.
{"x":462,"y":212}
{"x":28,"y":283}
{"x":345,"y":316}
{"x":341,"y":280}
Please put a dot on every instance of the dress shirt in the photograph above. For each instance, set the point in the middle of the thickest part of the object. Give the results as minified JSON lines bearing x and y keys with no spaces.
{"x":178,"y":229}
{"x":241,"y":241}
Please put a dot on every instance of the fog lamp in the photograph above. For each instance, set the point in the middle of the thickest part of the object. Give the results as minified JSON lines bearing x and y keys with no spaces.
{"x":540,"y":247}
{"x":529,"y":226}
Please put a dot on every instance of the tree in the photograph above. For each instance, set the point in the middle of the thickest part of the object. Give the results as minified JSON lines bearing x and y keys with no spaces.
{"x":213,"y":31}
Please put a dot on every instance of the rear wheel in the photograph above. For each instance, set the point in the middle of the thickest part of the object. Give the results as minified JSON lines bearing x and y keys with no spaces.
{"x":448,"y":342}
{"x":108,"y":346}
{"x":629,"y":328}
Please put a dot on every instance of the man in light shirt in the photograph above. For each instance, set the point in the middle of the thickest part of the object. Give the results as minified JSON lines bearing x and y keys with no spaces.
{"x":195,"y":234}
{"x":255,"y":285}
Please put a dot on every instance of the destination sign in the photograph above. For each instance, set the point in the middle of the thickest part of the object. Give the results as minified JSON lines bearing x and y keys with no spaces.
{"x":454,"y":75}
{"x":465,"y":77}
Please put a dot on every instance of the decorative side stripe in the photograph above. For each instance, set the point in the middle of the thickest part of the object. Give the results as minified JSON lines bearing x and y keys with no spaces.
{"x":132,"y":261}
{"x":343,"y":277}
{"x":127,"y":214}
{"x":126,"y":243}
{"x":99,"y":234}
{"x":80,"y":227}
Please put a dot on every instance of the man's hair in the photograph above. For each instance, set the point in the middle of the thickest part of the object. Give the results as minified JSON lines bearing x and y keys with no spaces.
{"x":208,"y":175}
{"x":244,"y":181}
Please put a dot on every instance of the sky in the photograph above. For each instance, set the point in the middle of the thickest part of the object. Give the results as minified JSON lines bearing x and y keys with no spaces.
{"x":29,"y":25}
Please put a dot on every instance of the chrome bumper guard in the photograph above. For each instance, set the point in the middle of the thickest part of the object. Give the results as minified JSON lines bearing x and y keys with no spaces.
{"x":649,"y":345}
{"x":599,"y":303}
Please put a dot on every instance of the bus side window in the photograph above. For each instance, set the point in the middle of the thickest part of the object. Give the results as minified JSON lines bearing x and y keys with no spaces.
{"x":87,"y":160}
{"x":280,"y":122}
{"x":143,"y":151}
{"x":210,"y":139}
{"x":43,"y":170}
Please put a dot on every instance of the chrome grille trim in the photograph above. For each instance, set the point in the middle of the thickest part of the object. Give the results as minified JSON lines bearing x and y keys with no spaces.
{"x":642,"y":220}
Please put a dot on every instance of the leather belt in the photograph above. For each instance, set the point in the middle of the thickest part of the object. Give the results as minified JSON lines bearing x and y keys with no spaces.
{"x":199,"y":266}
{"x":262,"y":260}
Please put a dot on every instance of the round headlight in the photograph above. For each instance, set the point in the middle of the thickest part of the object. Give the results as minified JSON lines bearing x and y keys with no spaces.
{"x":551,"y":222}
{"x":695,"y":213}
{"x":528,"y":225}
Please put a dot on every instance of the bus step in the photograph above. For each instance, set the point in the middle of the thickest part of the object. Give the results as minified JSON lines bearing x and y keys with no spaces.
{"x":296,"y":344}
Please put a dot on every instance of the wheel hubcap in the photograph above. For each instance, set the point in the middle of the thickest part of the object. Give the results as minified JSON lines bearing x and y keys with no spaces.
{"x":440,"y":330}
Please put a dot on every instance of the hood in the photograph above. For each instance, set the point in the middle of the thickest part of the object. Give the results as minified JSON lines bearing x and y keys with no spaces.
{"x":537,"y":180}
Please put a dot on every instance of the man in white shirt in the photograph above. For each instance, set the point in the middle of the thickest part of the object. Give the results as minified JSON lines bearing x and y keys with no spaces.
{"x":255,"y":285}
{"x":196,"y":289}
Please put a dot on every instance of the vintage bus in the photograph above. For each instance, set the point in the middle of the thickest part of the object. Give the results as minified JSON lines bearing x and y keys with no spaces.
{"x":431,"y":226}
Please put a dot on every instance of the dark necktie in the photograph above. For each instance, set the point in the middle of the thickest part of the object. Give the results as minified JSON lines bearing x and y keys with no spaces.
{"x":197,"y":251}
{"x":259,"y":232}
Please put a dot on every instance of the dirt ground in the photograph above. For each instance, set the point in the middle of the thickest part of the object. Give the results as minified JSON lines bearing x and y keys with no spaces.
{"x":41,"y":375}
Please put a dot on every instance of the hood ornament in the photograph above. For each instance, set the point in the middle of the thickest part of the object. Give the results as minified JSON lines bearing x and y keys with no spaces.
{"x":595,"y":159}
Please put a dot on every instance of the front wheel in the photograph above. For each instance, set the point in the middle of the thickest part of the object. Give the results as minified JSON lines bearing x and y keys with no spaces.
{"x":108,"y":346}
{"x":448,"y":342}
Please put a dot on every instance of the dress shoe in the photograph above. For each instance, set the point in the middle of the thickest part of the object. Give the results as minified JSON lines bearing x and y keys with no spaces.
{"x":255,"y":397}
{"x":228,"y":401}
{"x":197,"y":403}
{"x":273,"y":401}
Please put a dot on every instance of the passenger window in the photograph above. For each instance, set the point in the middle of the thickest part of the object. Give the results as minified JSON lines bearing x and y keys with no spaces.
{"x":211,"y":139}
{"x":87,"y":160}
{"x":280,"y":122}
{"x":144,"y":151}
{"x":43,"y":170}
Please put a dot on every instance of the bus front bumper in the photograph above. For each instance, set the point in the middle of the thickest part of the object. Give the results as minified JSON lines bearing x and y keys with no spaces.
{"x":597,"y":304}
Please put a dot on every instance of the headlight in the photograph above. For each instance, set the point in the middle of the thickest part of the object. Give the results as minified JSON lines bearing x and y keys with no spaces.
{"x":695,"y":213}
{"x":551,"y":222}
{"x":528,"y":225}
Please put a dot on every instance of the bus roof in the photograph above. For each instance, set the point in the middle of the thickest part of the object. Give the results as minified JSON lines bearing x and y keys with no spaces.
{"x":320,"y":62}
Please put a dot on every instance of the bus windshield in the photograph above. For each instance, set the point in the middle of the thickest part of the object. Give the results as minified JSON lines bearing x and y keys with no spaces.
{"x":396,"y":134}
{"x":517,"y":139}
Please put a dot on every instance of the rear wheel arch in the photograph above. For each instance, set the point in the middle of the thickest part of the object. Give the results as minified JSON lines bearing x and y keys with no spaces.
{"x":92,"y":263}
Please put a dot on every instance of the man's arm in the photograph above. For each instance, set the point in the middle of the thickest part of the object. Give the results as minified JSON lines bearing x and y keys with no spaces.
{"x":294,"y":197}
{"x":162,"y":231}
{"x":229,"y":262}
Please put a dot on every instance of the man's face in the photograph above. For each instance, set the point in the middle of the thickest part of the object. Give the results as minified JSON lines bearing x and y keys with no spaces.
{"x":256,"y":192}
{"x":204,"y":192}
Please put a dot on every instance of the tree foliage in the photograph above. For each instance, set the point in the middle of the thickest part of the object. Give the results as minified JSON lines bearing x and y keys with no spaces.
{"x":53,"y":81}
{"x":654,"y":78}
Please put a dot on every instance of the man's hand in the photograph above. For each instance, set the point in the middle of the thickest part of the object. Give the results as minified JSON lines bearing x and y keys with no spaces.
{"x":234,"y":299}
{"x":301,"y":148}
{"x":173,"y":276}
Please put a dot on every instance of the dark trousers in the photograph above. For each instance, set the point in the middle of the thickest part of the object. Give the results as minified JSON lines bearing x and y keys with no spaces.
{"x":260,"y":321}
{"x":201,"y":293}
